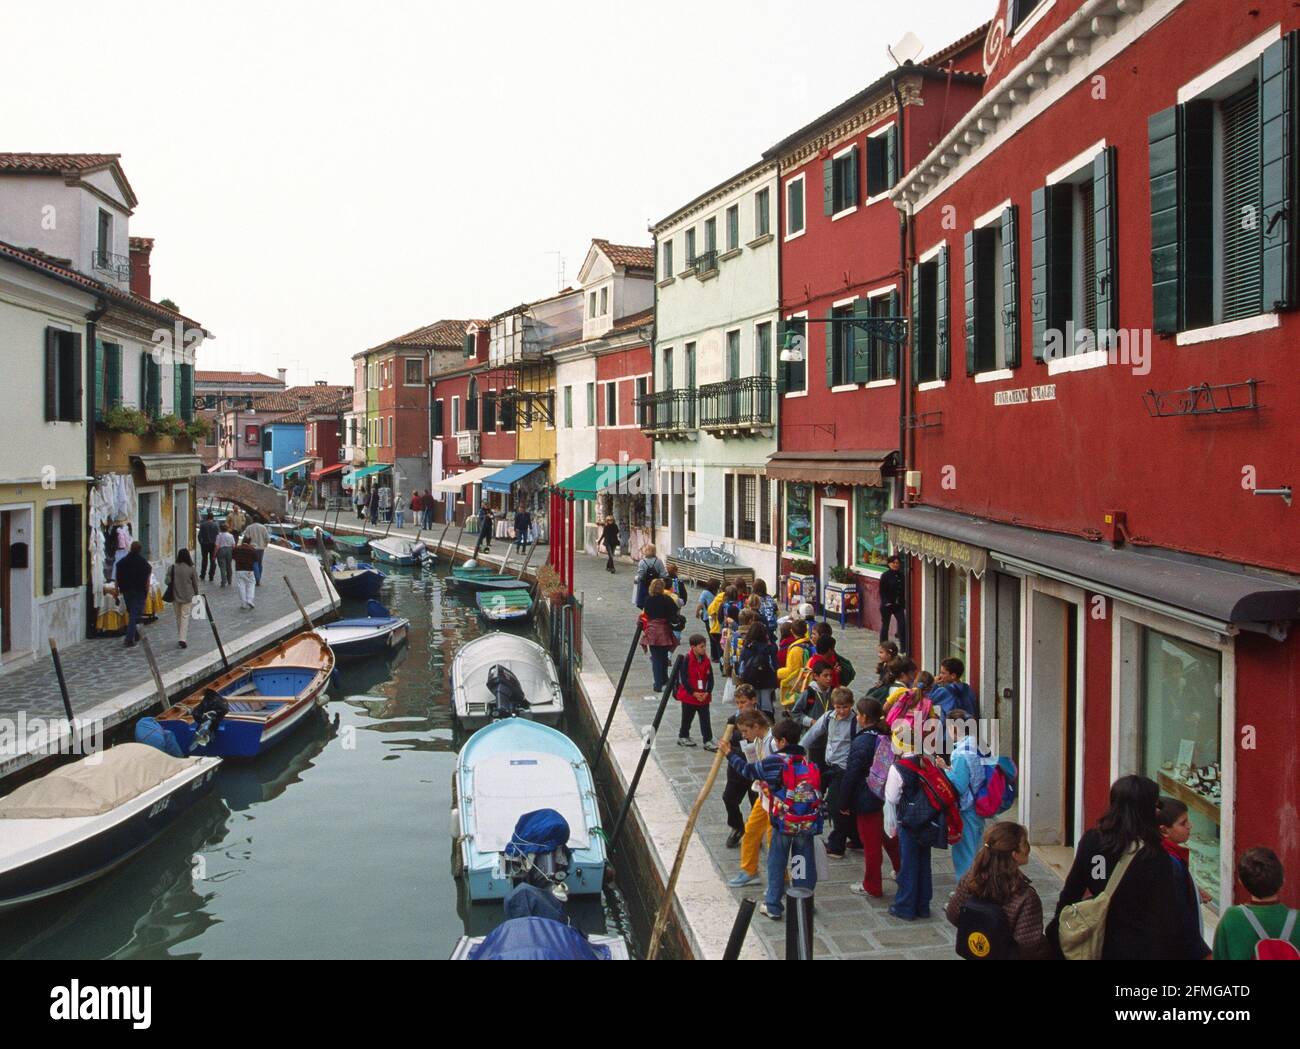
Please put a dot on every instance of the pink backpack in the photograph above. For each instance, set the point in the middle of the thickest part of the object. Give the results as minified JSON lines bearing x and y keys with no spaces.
{"x":1270,"y":949}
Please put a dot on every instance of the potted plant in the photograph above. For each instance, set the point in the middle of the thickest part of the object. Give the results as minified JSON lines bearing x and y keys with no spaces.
{"x":840,"y":596}
{"x":125,"y":419}
{"x":550,"y":583}
{"x":168,"y":426}
{"x":197,"y":429}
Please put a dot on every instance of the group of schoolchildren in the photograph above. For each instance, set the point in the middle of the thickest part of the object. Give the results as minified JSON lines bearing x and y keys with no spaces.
{"x":898,"y":771}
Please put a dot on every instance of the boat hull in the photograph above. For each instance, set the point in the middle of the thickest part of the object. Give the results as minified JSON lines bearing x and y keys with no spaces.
{"x":358,"y":585}
{"x":379,"y":640}
{"x":108,"y":846}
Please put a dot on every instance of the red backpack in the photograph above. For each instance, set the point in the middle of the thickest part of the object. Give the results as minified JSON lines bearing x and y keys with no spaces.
{"x":796,"y":806}
{"x":938,"y":791}
{"x":1274,"y":949}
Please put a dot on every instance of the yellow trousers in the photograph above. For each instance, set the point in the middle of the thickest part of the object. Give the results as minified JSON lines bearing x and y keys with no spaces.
{"x":757,"y":830}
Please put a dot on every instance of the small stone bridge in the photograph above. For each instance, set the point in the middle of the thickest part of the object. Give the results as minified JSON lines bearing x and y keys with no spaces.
{"x":263,"y":500}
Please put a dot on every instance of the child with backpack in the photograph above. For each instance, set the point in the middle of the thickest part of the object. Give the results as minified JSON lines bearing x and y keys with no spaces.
{"x":996,"y":910}
{"x":693,"y":687}
{"x":790,"y":674}
{"x":862,"y":792}
{"x":908,"y":715}
{"x":756,"y":665}
{"x":828,"y":743}
{"x":966,"y":774}
{"x":922,"y":808}
{"x":1264,"y":929}
{"x":767,"y":609}
{"x":1175,"y":829}
{"x":756,"y":732}
{"x":737,"y":786}
{"x":791,"y":786}
{"x":816,"y":698}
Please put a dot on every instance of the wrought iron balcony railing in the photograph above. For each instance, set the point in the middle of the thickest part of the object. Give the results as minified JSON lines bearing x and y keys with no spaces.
{"x":738,"y":404}
{"x":116,"y":266}
{"x":706,"y":262}
{"x":667,"y":413}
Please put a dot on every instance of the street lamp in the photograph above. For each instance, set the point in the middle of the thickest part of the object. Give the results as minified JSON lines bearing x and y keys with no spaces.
{"x":792,"y":348}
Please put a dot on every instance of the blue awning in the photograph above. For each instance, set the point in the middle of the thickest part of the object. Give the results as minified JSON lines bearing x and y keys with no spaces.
{"x":366,"y":471}
{"x":504,"y":480}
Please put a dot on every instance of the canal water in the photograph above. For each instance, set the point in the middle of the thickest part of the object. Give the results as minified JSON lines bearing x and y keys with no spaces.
{"x":336,"y":844}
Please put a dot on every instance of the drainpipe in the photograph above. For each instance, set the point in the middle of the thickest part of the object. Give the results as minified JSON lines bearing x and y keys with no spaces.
{"x":907,"y":255}
{"x":92,"y":333}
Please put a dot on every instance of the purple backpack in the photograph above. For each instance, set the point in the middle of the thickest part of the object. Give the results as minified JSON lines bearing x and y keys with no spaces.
{"x":880,"y":766}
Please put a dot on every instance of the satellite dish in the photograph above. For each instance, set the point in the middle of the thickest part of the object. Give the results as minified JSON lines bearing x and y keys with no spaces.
{"x":908,"y":49}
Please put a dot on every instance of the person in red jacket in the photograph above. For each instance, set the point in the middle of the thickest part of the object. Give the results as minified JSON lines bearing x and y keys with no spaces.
{"x":693,"y":688}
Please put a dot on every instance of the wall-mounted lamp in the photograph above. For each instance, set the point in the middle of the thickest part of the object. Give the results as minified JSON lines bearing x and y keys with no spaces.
{"x":792,"y":349}
{"x":1284,"y":492}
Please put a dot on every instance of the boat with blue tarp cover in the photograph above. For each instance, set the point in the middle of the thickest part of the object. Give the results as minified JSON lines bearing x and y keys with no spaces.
{"x":539,"y":940}
{"x":377,"y":633}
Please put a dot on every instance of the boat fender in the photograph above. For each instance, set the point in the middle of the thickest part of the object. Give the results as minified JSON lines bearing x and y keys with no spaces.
{"x":455,"y":823}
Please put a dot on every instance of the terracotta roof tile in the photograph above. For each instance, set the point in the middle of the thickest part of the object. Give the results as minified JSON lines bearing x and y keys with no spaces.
{"x":67,"y":164}
{"x":288,"y":400}
{"x":628,"y":255}
{"x":632,"y":322}
{"x":440,"y":333}
{"x":241,"y":377}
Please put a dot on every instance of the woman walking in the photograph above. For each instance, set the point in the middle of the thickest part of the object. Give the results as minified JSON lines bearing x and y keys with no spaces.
{"x":648,"y":569}
{"x":660,"y":612}
{"x":184,"y":582}
{"x":609,"y":540}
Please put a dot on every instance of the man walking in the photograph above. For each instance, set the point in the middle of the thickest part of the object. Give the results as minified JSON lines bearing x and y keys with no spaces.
{"x":208,"y":532}
{"x":225,"y":549}
{"x":261,"y":538}
{"x":236,"y":522}
{"x":523,"y":522}
{"x":428,"y":510}
{"x":372,"y":513}
{"x":892,"y":600}
{"x":484,"y":530}
{"x":134,"y":576}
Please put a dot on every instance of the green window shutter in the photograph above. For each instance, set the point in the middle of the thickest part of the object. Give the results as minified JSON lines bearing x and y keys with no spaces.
{"x":972,"y":328}
{"x":51,"y":374}
{"x":187,"y":392}
{"x":942,"y":327}
{"x":915,"y":326}
{"x":891,"y":349}
{"x":830,"y":353}
{"x":1162,"y":149}
{"x":860,"y":344}
{"x":176,"y":389}
{"x":1277,"y":106}
{"x":155,"y":387}
{"x":1196,"y":248}
{"x":851,"y":194}
{"x":47,"y":549}
{"x":782,"y":367}
{"x":98,"y":366}
{"x":113,"y":376}
{"x":1107,"y":241}
{"x":70,"y":543}
{"x":1039,"y":275}
{"x":891,"y":156}
{"x":828,"y":186}
{"x":144,"y":381}
{"x":1010,"y":319}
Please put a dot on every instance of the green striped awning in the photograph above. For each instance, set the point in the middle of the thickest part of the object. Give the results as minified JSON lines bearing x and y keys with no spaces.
{"x":366,"y":471}
{"x":600,"y":477}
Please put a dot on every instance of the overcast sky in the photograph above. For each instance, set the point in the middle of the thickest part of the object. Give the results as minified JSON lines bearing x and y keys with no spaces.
{"x":320,"y":177}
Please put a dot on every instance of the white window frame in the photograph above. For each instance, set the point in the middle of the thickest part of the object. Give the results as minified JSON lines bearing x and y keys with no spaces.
{"x":852,"y":207}
{"x":884,"y":129}
{"x":802,"y":179}
{"x":801,"y":315}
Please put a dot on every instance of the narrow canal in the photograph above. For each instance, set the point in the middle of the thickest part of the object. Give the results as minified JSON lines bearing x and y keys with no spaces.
{"x":336,"y":844}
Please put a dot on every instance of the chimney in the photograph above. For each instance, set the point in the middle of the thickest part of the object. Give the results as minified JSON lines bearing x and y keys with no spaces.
{"x":284,"y":372}
{"x":141,"y":247}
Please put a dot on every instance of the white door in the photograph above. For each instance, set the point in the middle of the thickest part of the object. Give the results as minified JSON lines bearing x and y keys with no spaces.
{"x":834,"y":514}
{"x":1047,"y":732}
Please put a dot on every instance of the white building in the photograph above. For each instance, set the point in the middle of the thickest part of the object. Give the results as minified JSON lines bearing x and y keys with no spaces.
{"x":714,"y":410}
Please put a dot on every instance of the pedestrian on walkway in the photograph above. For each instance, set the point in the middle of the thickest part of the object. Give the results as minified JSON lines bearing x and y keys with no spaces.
{"x":757,"y":666}
{"x":951,"y":692}
{"x":1175,"y":830}
{"x":791,"y":785}
{"x":1014,"y":931}
{"x":245,"y":558}
{"x":766,"y":606}
{"x":863,"y":793}
{"x":716,"y":619}
{"x":236,"y":521}
{"x":225,"y":547}
{"x":816,"y":698}
{"x":1265,"y":918}
{"x":737,"y":786}
{"x":905,"y":795}
{"x":909,"y":714}
{"x":892,"y":601}
{"x":359,"y":501}
{"x":184,"y":583}
{"x":676,"y":586}
{"x":790,"y":676}
{"x":885,"y":654}
{"x":399,"y":512}
{"x":372,"y":505}
{"x":693,"y":687}
{"x":756,"y":735}
{"x":1142,"y":921}
{"x":648,"y":569}
{"x":610,"y":542}
{"x":417,"y":509}
{"x":828,"y":743}
{"x":660,"y":613}
{"x":134,"y":577}
{"x":484,"y":530}
{"x":523,"y":523}
{"x":208,"y":532}
{"x":261,"y":539}
{"x":966,"y":774}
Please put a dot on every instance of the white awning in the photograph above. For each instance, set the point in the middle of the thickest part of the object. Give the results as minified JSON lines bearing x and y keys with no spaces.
{"x":474,"y":476}
{"x":294,"y":466}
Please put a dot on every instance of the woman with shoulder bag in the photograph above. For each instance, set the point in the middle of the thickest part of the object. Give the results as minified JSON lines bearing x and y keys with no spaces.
{"x":182,"y":589}
{"x":660,"y":613}
{"x":648,"y":569}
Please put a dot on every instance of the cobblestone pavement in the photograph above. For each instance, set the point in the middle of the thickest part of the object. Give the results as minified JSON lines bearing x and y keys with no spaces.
{"x":99,"y":670}
{"x":846,"y":925}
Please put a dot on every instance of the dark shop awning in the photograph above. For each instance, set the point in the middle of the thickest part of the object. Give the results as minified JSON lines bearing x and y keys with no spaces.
{"x":867,"y":468}
{"x":1214,"y":594}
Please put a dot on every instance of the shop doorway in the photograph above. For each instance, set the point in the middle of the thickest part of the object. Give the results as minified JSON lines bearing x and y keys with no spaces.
{"x":1003,"y":687}
{"x":834,"y":535}
{"x":16,"y":605}
{"x":1048,"y":721}
{"x":148,"y":524}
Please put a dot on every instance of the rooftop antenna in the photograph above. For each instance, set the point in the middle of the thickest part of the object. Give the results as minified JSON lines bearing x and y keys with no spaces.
{"x":906,"y":50}
{"x":559,"y":270}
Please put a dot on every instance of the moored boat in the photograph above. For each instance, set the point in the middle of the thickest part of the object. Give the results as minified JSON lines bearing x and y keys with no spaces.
{"x":537,"y":939}
{"x":397,"y":550}
{"x":529,"y":684}
{"x":480,"y":583}
{"x":358,"y":581}
{"x":378,"y":632}
{"x":80,"y":821}
{"x":505,"y":606}
{"x":256,"y":704}
{"x":352,"y":545}
{"x":526,"y":813}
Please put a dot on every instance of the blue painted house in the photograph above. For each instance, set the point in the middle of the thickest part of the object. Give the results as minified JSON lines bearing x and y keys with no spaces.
{"x":284,"y":431}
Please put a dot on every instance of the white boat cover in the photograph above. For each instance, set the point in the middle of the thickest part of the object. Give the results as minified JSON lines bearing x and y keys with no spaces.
{"x":508,"y":785}
{"x":94,"y":785}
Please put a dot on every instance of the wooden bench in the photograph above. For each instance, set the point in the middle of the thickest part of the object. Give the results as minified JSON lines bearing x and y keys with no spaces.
{"x":701,"y":573}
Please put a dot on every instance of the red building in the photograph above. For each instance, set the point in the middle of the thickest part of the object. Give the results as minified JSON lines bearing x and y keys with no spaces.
{"x":325,"y":443}
{"x":841,"y":258}
{"x":1102,"y":292}
{"x":454,"y":423}
{"x":623,"y":373}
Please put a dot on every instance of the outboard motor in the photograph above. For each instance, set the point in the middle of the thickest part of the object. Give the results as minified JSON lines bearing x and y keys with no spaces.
{"x":509,"y":693}
{"x":207,"y":716}
{"x":538,"y":852}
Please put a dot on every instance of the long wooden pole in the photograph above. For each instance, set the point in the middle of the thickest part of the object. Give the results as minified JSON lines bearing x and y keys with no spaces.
{"x":153,"y":669}
{"x":305,"y":617}
{"x":212,"y":622}
{"x":63,"y":683}
{"x":661,"y":919}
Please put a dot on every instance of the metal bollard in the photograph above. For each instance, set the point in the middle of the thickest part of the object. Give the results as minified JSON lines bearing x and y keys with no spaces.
{"x":798,"y":925}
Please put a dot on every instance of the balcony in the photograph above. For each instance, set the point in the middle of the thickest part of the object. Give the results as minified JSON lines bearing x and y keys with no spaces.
{"x":705,"y":264}
{"x":467,"y":445}
{"x":667,"y":414}
{"x":738,"y":407}
{"x":116,"y":267}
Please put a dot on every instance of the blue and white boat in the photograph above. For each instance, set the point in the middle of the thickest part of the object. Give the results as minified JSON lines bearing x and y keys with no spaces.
{"x":257,"y":704}
{"x":80,"y":821}
{"x":499,"y":668}
{"x":357,"y":581}
{"x":526,"y":813}
{"x":534,"y":939}
{"x":396,"y":550}
{"x":377,"y":633}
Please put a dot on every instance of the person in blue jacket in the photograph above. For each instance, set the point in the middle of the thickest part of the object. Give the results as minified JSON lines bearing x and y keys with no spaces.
{"x":786,"y":849}
{"x":951,"y":692}
{"x":966,"y":773}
